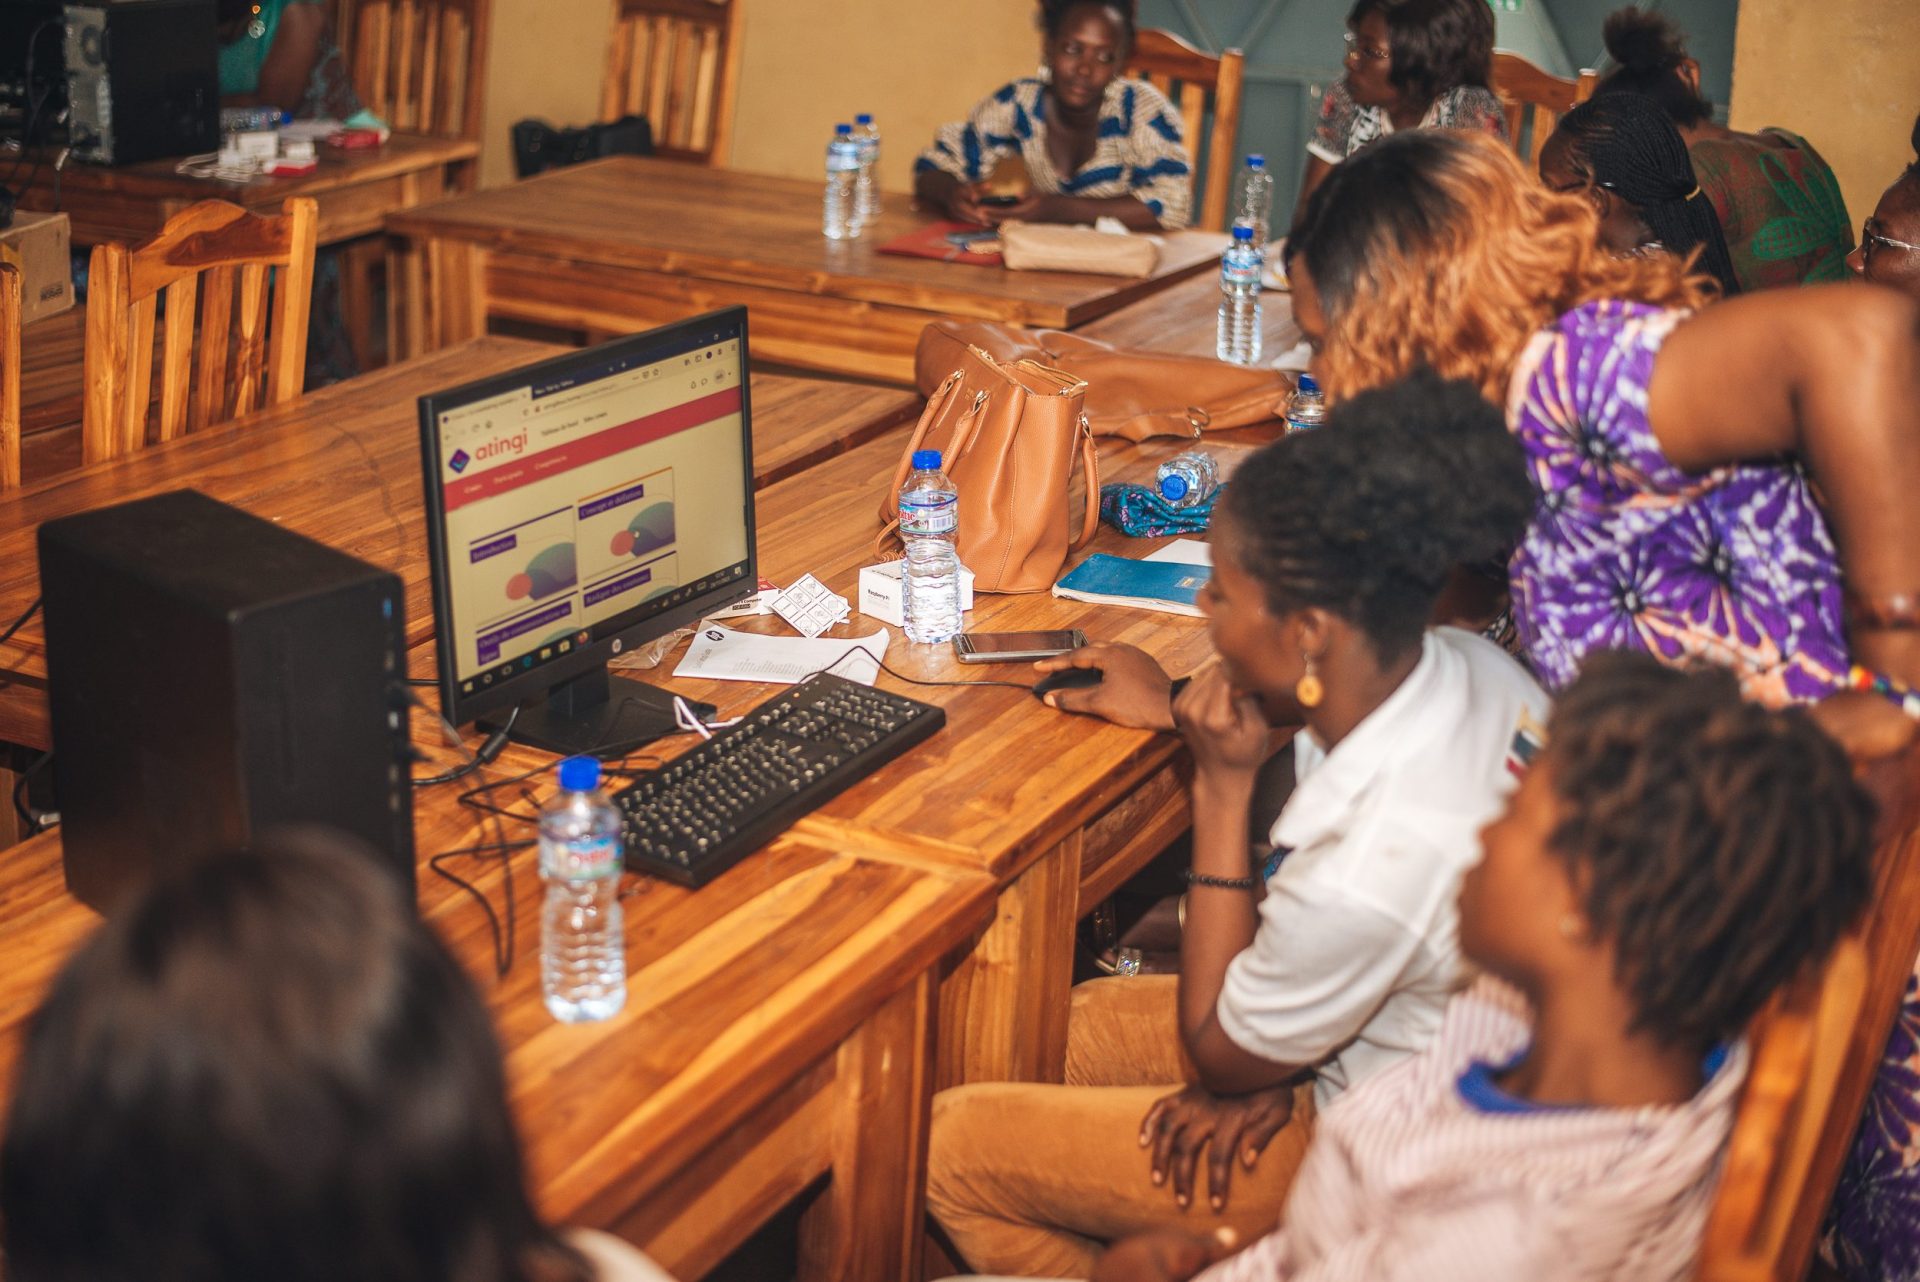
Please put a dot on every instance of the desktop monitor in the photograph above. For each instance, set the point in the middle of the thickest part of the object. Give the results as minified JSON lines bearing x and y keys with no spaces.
{"x":581,"y":507}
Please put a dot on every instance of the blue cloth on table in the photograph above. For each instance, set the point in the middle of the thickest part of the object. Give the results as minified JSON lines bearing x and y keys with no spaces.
{"x":1142,"y":513}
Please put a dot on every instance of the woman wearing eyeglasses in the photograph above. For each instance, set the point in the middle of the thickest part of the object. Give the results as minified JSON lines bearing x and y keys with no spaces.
{"x":1411,"y":64}
{"x":1889,"y":252}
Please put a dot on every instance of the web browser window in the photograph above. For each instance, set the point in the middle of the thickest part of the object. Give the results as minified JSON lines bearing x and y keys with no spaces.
{"x":578,"y":501}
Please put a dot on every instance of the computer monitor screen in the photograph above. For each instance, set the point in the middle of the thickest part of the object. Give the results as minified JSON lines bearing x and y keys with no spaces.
{"x":582,"y":506}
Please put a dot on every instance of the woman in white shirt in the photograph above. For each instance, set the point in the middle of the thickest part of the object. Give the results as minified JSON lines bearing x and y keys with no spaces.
{"x":1330,"y":549}
{"x":268,"y":1067}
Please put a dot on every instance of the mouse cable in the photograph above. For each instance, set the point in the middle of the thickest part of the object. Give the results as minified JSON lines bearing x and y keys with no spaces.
{"x":918,"y":681}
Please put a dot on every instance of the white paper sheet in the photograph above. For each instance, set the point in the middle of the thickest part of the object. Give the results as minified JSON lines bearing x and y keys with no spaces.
{"x":726,"y":655}
{"x":1185,"y":551}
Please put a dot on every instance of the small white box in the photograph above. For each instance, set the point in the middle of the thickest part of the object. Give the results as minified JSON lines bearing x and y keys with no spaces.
{"x":880,"y":592}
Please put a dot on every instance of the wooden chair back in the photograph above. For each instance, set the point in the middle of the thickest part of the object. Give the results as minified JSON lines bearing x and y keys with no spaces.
{"x":1530,"y":95}
{"x":11,"y":322}
{"x":213,"y":261}
{"x":1187,"y":76}
{"x":676,"y":62}
{"x":420,"y":65}
{"x":1816,"y":1053}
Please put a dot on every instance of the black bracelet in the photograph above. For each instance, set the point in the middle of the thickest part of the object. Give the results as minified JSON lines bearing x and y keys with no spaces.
{"x":1224,"y":883}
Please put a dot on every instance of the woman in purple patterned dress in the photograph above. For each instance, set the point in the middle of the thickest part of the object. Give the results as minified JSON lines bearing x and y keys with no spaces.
{"x":1732,"y":483}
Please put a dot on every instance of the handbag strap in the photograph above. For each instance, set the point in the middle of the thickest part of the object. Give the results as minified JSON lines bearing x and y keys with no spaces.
{"x":1089,"y":459}
{"x":969,"y":424}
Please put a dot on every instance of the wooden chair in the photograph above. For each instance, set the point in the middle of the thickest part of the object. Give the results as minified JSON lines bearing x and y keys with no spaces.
{"x":676,"y":62}
{"x":1816,"y":1052}
{"x":224,"y":370}
{"x":1186,"y":75}
{"x":420,"y":65}
{"x":1524,"y":89}
{"x":10,"y":326}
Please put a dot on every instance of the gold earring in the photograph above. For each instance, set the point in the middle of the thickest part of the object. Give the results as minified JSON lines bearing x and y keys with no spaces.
{"x":1308,"y":690}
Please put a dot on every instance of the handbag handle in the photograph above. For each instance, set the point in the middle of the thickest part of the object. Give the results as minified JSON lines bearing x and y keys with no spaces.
{"x":1090,"y":460}
{"x":928,"y":417}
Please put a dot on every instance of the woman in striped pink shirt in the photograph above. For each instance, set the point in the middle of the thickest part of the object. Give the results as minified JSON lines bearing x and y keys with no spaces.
{"x":1673,"y":858}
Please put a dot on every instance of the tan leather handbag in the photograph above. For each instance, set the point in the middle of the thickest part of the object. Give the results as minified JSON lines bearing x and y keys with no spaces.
{"x":1008,"y":434}
{"x":1130,"y":394}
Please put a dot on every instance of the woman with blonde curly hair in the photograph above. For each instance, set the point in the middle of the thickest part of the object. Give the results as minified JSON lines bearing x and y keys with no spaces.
{"x":1674,"y":452}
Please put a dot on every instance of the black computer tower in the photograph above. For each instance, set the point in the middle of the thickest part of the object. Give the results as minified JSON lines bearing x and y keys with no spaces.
{"x":213,"y":676}
{"x":143,"y":79}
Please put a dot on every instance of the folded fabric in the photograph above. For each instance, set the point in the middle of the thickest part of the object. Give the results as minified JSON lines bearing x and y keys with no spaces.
{"x":1141,"y":513}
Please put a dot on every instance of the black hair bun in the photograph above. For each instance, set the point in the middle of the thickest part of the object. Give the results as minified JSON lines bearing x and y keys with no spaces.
{"x":1641,"y":40}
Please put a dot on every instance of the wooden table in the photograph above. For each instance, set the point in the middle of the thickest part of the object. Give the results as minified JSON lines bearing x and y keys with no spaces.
{"x":627,"y":243}
{"x":1057,"y":810}
{"x":355,"y":189}
{"x":343,"y":465}
{"x":777,"y":1030}
{"x":1182,"y":320}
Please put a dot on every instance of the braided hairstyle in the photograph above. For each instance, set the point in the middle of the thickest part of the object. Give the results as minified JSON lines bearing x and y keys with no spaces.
{"x":1723,"y":848}
{"x":1367,"y":516}
{"x":1626,"y":144}
{"x":1053,"y":15}
{"x":1650,"y":51}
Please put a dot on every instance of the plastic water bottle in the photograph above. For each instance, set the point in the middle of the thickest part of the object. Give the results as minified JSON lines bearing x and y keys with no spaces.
{"x":1255,"y":207}
{"x":840,"y":218}
{"x":1189,"y":479}
{"x":1306,"y":409}
{"x":1239,"y":335}
{"x":866,"y":136}
{"x":583,"y":956}
{"x":930,"y":578}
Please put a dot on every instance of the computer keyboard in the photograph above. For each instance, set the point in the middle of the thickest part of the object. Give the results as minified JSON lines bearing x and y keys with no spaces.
{"x":702,"y":813}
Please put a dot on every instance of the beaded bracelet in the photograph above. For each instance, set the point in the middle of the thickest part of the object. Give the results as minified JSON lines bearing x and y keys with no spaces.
{"x":1223,"y":883}
{"x":1899,"y":694}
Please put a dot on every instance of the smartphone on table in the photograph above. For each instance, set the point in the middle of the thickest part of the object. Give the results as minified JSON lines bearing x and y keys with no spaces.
{"x":1015,"y":647}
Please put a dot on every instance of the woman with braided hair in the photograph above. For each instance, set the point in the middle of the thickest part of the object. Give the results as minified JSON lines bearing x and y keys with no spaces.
{"x":1623,"y":154}
{"x":1674,"y":858}
{"x":1777,"y":199}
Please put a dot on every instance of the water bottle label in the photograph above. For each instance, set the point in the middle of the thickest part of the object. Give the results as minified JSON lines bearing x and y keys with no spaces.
{"x":842,"y":160}
{"x":1242,"y":272}
{"x":935,"y":514}
{"x":582,"y":859}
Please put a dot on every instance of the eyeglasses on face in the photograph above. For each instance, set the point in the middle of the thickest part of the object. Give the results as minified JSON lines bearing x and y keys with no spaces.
{"x":1868,"y":236}
{"x":1365,"y":51}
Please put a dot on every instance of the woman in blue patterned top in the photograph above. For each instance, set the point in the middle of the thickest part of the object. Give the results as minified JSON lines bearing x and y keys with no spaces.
{"x":1095,"y":143}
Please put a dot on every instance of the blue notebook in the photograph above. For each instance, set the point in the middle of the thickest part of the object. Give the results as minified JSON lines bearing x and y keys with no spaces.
{"x":1168,"y":586}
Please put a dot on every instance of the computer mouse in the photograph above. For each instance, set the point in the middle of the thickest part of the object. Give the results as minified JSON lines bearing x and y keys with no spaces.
{"x":1067,"y":679}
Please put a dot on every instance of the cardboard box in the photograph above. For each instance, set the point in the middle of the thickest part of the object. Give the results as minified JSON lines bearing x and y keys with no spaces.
{"x":880,"y":593}
{"x":38,"y":244}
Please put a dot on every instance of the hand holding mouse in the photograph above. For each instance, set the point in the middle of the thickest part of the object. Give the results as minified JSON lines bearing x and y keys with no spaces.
{"x":1133,"y":691}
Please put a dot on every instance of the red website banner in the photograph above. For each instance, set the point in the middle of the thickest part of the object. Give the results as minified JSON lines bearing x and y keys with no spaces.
{"x":591,"y":449}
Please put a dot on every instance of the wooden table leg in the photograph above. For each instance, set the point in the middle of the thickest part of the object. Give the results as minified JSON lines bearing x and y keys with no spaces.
{"x":454,"y":293}
{"x":406,"y":306}
{"x":1003,"y":1010}
{"x":869,"y":1221}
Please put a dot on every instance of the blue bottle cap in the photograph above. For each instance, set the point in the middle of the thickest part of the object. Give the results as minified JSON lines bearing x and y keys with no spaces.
{"x":926,"y":460}
{"x":1308,"y":385}
{"x":1174,"y":487}
{"x":1256,"y":161}
{"x":579,"y":774}
{"x":840,"y":130}
{"x":1242,"y":232}
{"x":864,"y":118}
